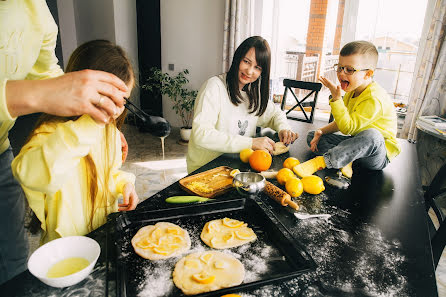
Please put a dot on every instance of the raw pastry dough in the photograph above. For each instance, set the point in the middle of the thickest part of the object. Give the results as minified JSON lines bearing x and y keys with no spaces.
{"x":207,"y":271}
{"x":226,"y":233}
{"x":161,"y":241}
{"x":280,"y":148}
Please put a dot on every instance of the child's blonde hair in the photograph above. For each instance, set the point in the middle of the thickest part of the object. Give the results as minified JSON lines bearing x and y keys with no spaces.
{"x":364,"y":48}
{"x":105,"y":56}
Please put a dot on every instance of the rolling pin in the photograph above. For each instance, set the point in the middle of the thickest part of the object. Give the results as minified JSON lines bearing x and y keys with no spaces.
{"x":279,"y":195}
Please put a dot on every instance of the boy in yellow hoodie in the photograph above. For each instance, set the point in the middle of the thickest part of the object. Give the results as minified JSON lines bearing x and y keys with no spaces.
{"x":366,"y":116}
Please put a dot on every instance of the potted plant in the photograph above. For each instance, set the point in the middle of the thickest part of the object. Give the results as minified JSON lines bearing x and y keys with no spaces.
{"x":174,"y":87}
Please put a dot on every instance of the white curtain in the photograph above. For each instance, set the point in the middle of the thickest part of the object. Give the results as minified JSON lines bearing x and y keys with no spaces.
{"x":428,"y":91}
{"x":428,"y":94}
{"x":237,"y":27}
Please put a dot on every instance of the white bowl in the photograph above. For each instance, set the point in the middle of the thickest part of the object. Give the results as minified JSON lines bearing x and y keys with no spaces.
{"x":54,"y":251}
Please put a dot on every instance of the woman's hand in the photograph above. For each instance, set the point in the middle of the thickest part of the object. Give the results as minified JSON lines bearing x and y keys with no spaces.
{"x":287,"y":136}
{"x":315,"y":140}
{"x":124,"y":147}
{"x":335,"y":90}
{"x":263,"y":143}
{"x":130,"y":198}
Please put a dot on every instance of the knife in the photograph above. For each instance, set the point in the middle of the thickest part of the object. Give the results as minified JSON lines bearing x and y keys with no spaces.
{"x":187,"y":199}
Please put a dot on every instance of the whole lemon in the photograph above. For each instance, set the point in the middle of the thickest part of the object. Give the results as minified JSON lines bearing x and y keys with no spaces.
{"x":290,"y":163}
{"x":245,"y":154}
{"x":283,"y":175}
{"x":294,"y":187}
{"x":313,"y":184}
{"x":260,"y":160}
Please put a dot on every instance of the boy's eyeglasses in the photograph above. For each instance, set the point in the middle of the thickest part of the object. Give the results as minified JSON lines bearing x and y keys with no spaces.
{"x":347,"y":69}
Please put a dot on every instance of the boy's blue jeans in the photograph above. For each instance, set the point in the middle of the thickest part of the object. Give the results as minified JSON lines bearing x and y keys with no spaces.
{"x":366,"y":148}
{"x":13,"y":242}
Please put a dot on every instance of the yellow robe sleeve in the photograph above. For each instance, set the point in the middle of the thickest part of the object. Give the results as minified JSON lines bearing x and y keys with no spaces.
{"x":49,"y":158}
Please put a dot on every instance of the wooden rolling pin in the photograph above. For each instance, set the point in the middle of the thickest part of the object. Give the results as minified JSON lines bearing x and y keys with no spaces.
{"x":279,"y":195}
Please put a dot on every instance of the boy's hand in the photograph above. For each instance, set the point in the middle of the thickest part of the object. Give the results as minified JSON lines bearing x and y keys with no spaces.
{"x":287,"y":136}
{"x":335,"y":90}
{"x":130,"y":198}
{"x":315,"y":141}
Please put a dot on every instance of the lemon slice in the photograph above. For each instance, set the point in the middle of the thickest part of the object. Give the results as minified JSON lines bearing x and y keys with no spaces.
{"x":156,"y":233}
{"x":213,"y":226}
{"x":206,"y":258}
{"x":220,"y":264}
{"x":162,"y":251}
{"x":173,"y":246}
{"x":192,"y":264}
{"x":232,"y":223}
{"x":177,"y":239}
{"x":145,"y":244}
{"x":234,"y":172}
{"x":244,"y":235}
{"x":228,"y":237}
{"x":203,"y":278}
{"x":174,"y":231}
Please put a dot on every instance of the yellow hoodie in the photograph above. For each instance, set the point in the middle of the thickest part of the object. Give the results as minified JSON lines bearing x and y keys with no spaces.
{"x":52,"y":171}
{"x":371,"y":109}
{"x":28,"y":37}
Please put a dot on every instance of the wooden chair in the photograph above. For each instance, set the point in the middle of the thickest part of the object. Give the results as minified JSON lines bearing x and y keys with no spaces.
{"x":434,"y":193}
{"x":313,"y":87}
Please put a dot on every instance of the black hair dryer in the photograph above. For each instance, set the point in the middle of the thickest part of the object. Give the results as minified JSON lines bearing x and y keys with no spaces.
{"x":155,"y":125}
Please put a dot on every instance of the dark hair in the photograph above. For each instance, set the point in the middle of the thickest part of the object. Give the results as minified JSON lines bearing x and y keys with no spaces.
{"x":361,"y":47}
{"x":261,"y":85}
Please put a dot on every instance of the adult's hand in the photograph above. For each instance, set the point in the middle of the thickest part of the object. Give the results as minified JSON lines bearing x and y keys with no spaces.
{"x":287,"y":136}
{"x":92,"y":92}
{"x":124,"y":147}
{"x":334,"y":90}
{"x":263,"y":143}
{"x":130,"y":198}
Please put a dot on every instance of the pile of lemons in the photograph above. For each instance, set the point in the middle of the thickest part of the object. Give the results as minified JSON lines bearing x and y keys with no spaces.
{"x":260,"y":160}
{"x":294,"y":186}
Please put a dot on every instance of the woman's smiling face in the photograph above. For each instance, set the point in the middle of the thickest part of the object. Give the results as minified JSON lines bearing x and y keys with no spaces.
{"x":248,"y":70}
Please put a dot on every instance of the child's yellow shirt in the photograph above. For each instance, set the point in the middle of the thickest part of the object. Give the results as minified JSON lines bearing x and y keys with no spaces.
{"x":52,"y":171}
{"x":371,"y":109}
{"x":28,"y":37}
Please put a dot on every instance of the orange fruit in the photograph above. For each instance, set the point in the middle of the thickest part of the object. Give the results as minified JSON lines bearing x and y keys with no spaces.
{"x":245,"y":154}
{"x":260,"y":160}
{"x":283,"y":175}
{"x":294,"y":187}
{"x":290,"y":163}
{"x":313,"y":184}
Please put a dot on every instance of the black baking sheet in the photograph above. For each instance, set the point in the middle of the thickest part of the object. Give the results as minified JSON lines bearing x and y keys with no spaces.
{"x":274,"y":256}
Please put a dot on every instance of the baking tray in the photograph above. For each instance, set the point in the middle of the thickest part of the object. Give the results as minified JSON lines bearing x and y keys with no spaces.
{"x":273,"y":257}
{"x":217,"y":179}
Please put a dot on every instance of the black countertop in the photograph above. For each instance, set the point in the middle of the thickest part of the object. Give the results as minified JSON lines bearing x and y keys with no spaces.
{"x":376,"y":243}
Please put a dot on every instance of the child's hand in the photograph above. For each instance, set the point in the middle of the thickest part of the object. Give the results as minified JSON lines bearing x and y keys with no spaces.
{"x":263,"y":143}
{"x":335,"y":90}
{"x":124,"y":147}
{"x":315,"y":141}
{"x":287,"y":136}
{"x":130,"y":198}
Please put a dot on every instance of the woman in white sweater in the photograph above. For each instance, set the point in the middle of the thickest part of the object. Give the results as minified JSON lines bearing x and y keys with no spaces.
{"x":230,"y":106}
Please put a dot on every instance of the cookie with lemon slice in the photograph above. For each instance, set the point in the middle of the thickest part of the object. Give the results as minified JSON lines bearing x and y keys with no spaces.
{"x":226,"y":233}
{"x":207,"y":271}
{"x":161,"y":241}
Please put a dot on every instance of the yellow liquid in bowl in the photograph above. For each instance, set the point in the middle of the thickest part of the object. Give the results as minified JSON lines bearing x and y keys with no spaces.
{"x":67,"y":266}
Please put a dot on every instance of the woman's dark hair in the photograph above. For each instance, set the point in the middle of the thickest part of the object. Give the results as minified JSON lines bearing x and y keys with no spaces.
{"x":258,"y":88}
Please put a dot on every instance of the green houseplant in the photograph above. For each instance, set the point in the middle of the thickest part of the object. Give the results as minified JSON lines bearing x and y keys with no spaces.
{"x":175,"y":88}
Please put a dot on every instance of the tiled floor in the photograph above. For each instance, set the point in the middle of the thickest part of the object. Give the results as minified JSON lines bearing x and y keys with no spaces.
{"x":145,"y":160}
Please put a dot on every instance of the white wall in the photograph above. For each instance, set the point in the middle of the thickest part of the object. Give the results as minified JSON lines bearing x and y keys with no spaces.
{"x":192,"y":38}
